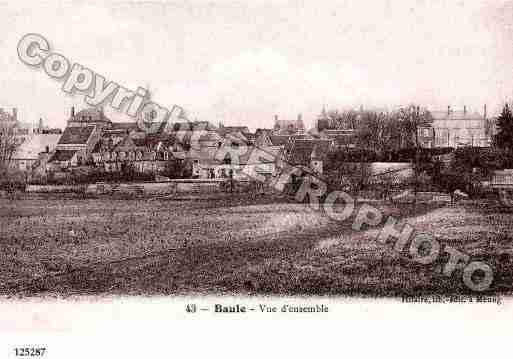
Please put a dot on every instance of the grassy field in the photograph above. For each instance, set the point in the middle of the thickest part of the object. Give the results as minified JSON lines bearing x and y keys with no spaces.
{"x":149,"y":247}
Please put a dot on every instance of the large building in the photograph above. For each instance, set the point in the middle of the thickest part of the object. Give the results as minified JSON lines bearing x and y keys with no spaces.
{"x":456,"y":129}
{"x":288,"y":127}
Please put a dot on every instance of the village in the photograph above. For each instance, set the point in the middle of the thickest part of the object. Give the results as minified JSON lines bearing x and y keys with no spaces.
{"x":350,"y":149}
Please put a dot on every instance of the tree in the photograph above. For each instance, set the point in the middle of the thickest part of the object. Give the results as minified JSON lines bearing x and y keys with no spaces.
{"x":175,"y":169}
{"x":504,"y":137}
{"x":11,"y":179}
{"x":388,"y":132}
{"x":351,"y":177}
{"x":8,"y":146}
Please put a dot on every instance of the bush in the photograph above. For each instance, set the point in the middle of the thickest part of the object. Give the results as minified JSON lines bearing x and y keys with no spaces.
{"x":12,"y":180}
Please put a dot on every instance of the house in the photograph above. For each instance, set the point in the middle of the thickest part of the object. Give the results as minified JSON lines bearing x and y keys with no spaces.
{"x":224,"y":130}
{"x":279,"y":140}
{"x":288,"y":127}
{"x":455,"y":129}
{"x":197,"y":134}
{"x":150,"y":154}
{"x":341,"y":138}
{"x":74,"y":147}
{"x":89,"y":117}
{"x":207,"y":164}
{"x":34,"y":151}
{"x":262,"y":139}
{"x":310,"y":154}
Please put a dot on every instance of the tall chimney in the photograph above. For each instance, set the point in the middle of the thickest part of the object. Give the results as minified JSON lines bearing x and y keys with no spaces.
{"x":72,"y":111}
{"x":299,"y":117}
{"x":15,"y":114}
{"x":448,"y":110}
{"x":484,"y":113}
{"x":464,"y":110}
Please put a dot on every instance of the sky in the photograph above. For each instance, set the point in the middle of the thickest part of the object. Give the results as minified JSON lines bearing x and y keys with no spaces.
{"x":241,"y":63}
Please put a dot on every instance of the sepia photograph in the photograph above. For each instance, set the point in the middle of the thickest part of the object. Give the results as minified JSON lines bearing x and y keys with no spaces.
{"x":194,"y":161}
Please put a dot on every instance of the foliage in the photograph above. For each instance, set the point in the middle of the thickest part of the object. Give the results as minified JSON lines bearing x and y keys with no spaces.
{"x":8,"y":146}
{"x":352,"y":177}
{"x":12,"y":180}
{"x":388,"y":132}
{"x":175,"y":169}
{"x":504,"y":137}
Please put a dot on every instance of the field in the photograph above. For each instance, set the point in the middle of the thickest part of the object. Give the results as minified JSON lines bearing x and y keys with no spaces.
{"x":58,"y":246}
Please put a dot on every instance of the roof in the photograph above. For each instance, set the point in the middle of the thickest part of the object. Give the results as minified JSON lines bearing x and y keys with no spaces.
{"x":128,"y":144}
{"x":127,"y":126}
{"x":205,"y":156}
{"x":270,"y":155}
{"x":456,"y":115}
{"x":76,"y":135}
{"x":63,"y":155}
{"x":334,"y":133}
{"x":35,"y":144}
{"x":263,"y":140}
{"x":181,"y":155}
{"x":300,"y":151}
{"x":90,"y":115}
{"x":233,"y":129}
{"x":236,"y":137}
{"x":280,"y":140}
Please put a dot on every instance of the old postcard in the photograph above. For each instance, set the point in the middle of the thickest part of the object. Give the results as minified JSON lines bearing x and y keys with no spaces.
{"x":236,"y":174}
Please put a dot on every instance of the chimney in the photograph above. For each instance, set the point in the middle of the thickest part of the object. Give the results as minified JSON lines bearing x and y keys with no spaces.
{"x":448,"y":110}
{"x":40,"y":123}
{"x":484,"y":113}
{"x":15,"y":114}
{"x":299,"y":117}
{"x":72,"y":111}
{"x":464,"y":110}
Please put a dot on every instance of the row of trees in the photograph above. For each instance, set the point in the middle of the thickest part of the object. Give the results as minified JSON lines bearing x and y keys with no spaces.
{"x":381,"y":132}
{"x":393,"y":136}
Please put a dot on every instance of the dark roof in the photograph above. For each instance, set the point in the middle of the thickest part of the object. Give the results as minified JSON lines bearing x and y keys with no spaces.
{"x":267,"y":131}
{"x":279,"y":140}
{"x":76,"y":135}
{"x":63,"y":155}
{"x":90,"y":115}
{"x":300,"y":151}
{"x":128,"y":126}
{"x":233,"y":129}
